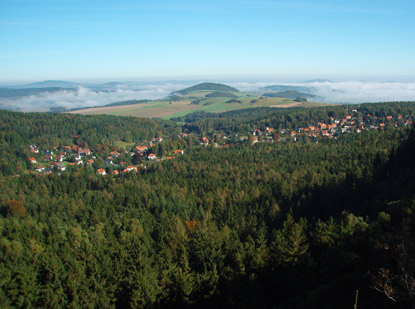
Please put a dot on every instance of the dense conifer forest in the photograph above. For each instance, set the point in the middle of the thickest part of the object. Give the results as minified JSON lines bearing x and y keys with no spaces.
{"x":256,"y":221}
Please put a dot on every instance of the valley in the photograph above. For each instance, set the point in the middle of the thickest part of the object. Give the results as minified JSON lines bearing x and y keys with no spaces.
{"x":208,"y":97}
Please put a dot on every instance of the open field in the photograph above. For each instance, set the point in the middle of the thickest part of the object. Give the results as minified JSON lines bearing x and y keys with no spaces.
{"x":122,"y":144}
{"x":166,"y":110}
{"x":151,"y":109}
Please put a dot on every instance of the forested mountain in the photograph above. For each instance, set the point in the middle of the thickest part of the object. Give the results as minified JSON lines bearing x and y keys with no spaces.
{"x":207,"y":87}
{"x":288,"y":94}
{"x":289,"y":222}
{"x":282,"y":88}
{"x":242,"y":121}
{"x":50,"y":83}
{"x":9,"y":92}
{"x":20,"y":130}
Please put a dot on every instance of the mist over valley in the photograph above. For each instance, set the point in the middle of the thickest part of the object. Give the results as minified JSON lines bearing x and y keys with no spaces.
{"x":62,"y":95}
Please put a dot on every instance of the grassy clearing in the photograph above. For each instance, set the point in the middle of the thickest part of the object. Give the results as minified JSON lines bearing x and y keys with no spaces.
{"x":163,"y":108}
{"x":122,"y":144}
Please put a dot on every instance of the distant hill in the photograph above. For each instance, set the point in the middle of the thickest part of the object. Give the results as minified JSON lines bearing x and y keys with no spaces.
{"x":114,"y":84}
{"x":110,"y":86}
{"x":49,"y":84}
{"x":280,"y":88}
{"x":318,"y":81}
{"x":9,"y":93}
{"x":207,"y":87}
{"x":66,"y":84}
{"x":291,"y":94}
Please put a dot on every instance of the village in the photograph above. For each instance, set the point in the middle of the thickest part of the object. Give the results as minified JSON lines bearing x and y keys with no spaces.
{"x":119,"y":162}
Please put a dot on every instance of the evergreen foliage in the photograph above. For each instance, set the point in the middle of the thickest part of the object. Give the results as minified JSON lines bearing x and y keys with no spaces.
{"x":294,"y":224}
{"x":207,"y":87}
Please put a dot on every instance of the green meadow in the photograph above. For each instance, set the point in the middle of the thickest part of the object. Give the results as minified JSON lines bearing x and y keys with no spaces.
{"x":196,"y":99}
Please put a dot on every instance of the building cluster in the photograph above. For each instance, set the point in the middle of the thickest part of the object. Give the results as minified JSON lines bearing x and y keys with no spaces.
{"x":335,"y":127}
{"x":59,"y":158}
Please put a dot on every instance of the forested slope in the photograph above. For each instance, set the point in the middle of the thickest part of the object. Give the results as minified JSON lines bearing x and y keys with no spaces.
{"x":19,"y":130}
{"x":261,"y":226}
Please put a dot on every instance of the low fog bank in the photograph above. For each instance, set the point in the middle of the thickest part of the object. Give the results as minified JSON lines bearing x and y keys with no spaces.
{"x":83,"y":97}
{"x":360,"y":92}
{"x":349,"y":92}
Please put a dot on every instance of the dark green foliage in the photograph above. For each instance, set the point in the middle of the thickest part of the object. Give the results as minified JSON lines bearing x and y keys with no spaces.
{"x":271,"y":225}
{"x":207,"y":87}
{"x":8,"y":93}
{"x":128,"y":102}
{"x":241,"y":121}
{"x":19,"y":130}
{"x":233,"y":101}
{"x":292,"y":94}
{"x":197,"y":101}
{"x":174,"y":98}
{"x":221,"y":94}
{"x":281,"y":88}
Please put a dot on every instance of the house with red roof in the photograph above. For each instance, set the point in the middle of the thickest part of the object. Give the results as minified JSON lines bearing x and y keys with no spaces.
{"x":141,"y":149}
{"x":204,"y":141}
{"x":114,"y":154}
{"x":32,"y":160}
{"x":33,"y":148}
{"x":151,"y":156}
{"x":84,"y":152}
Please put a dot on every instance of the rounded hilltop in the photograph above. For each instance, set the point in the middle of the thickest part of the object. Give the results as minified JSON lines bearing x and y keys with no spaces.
{"x":206,"y":87}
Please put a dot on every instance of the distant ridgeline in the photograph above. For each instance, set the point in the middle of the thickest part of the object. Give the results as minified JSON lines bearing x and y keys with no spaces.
{"x":206,"y":87}
{"x":10,"y":92}
{"x":282,"y":88}
{"x":292,"y":92}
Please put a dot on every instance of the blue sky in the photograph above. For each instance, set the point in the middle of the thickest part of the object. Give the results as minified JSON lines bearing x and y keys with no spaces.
{"x":75,"y":40}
